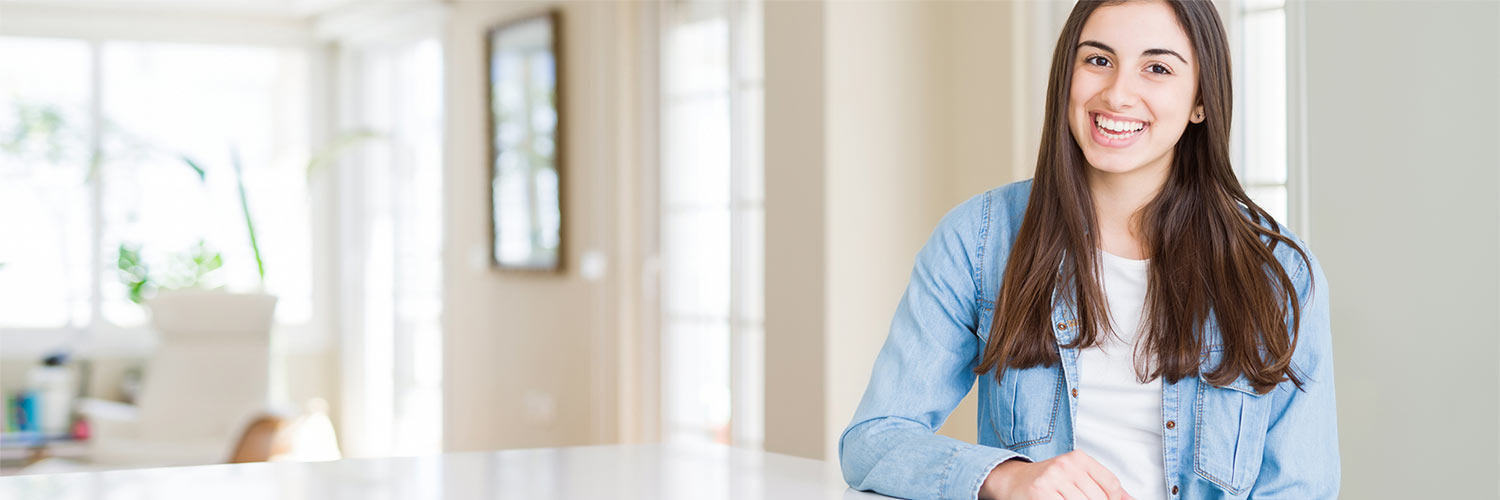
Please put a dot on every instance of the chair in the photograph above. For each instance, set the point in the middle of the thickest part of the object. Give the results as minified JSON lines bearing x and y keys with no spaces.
{"x":204,"y":384}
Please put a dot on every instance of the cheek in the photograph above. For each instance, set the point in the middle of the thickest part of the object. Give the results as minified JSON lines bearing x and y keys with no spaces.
{"x":1086,"y":87}
{"x":1080,"y":92}
{"x":1078,"y":99}
{"x":1175,"y":103}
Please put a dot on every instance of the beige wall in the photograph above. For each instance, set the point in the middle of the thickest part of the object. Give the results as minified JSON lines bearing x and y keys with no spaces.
{"x":880,"y":116}
{"x":1405,"y":218}
{"x":982,"y":120}
{"x":888,"y":165}
{"x":529,"y":358}
{"x":795,"y":172}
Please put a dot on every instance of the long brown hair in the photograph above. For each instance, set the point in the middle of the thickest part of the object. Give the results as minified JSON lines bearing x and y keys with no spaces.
{"x":1202,"y":233}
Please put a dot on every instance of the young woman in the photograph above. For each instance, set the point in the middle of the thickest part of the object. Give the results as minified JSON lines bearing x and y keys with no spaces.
{"x":1139,"y":327}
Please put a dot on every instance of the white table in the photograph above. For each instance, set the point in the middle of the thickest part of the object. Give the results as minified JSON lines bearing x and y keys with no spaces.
{"x":591,"y":472}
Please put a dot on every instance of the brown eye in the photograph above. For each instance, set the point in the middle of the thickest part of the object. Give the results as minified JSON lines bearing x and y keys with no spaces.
{"x":1164,"y":70}
{"x":1101,"y":58}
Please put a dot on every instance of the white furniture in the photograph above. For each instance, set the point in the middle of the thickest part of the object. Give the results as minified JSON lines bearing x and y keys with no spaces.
{"x":702,"y":472}
{"x":207,"y":378}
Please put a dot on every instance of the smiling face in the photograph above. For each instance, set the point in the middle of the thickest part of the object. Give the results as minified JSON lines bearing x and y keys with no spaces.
{"x":1134,"y":87}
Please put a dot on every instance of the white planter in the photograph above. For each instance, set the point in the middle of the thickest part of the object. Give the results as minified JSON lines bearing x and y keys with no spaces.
{"x":203,"y":315}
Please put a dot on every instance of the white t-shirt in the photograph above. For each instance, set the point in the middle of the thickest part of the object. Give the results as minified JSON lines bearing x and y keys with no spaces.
{"x":1119,"y":419}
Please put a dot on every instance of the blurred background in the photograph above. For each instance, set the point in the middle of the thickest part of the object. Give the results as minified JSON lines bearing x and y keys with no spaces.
{"x":243,"y":230}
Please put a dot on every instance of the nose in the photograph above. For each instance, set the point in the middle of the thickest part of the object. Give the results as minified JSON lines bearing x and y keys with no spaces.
{"x":1120,"y":94}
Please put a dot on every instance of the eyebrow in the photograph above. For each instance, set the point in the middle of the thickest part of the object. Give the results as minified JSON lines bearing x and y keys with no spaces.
{"x":1147,"y":52}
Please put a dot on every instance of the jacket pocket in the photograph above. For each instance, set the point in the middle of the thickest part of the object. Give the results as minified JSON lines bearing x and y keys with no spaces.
{"x":1230,"y":433}
{"x":1026,"y":406}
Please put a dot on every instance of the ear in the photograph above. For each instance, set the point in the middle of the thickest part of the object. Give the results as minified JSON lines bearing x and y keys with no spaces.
{"x":1197,"y":115}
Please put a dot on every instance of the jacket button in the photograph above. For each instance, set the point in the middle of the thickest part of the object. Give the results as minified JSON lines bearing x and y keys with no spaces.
{"x":1174,"y":490}
{"x":1075,"y":392}
{"x":1062,"y":326}
{"x":1171,"y":424}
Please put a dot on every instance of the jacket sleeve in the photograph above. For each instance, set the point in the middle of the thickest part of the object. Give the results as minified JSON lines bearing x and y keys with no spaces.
{"x":924,"y":368}
{"x":1301,"y":457}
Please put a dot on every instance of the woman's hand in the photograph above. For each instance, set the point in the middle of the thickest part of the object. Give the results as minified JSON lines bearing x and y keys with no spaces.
{"x":1070,"y":476}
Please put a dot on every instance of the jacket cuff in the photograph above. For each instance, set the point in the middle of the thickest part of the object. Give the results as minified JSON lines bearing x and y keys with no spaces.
{"x":970,"y":465}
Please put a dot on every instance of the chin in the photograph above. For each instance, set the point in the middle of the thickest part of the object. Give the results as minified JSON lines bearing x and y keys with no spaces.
{"x":1112,"y":165}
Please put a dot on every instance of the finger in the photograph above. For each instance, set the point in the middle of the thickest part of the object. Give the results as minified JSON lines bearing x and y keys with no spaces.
{"x":1091,"y":488}
{"x":1071,"y":491}
{"x":1103,"y":477}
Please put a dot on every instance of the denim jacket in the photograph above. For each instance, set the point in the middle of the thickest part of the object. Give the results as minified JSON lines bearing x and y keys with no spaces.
{"x":1217,"y":442}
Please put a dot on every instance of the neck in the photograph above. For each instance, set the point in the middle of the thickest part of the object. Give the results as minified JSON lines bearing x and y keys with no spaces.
{"x":1118,"y":199}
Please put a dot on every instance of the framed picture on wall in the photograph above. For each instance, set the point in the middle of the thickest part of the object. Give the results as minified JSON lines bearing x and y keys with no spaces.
{"x":525,"y":143}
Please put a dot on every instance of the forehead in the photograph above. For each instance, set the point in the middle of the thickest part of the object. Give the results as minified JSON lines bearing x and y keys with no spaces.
{"x":1135,"y":26}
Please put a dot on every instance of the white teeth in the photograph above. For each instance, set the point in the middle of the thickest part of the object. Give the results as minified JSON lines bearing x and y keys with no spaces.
{"x":1118,"y":126}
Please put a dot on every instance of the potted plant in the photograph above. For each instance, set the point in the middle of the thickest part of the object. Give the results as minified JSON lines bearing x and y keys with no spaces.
{"x":185,"y":298}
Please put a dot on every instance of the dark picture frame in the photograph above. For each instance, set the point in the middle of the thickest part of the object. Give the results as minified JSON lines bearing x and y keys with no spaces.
{"x":525,"y":143}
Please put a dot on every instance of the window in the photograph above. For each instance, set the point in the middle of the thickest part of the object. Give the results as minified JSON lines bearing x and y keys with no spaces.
{"x":46,"y":112}
{"x":712,"y":223}
{"x":1261,"y":89}
{"x":96,"y":133}
{"x":391,"y":246}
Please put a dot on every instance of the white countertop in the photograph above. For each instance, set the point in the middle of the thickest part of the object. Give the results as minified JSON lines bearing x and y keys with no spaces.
{"x":592,"y":472}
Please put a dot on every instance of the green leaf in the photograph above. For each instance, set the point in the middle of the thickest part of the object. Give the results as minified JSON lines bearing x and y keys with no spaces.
{"x":134,"y":273}
{"x":124,"y":261}
{"x":137,"y":292}
{"x":196,"y":168}
{"x":336,"y":147}
{"x":239,"y":179}
{"x":129,"y":261}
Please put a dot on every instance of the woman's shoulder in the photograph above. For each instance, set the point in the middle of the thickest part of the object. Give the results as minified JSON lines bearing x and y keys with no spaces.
{"x":1001,"y":207}
{"x":1301,"y":271}
{"x":974,"y":237}
{"x":1012,"y":199}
